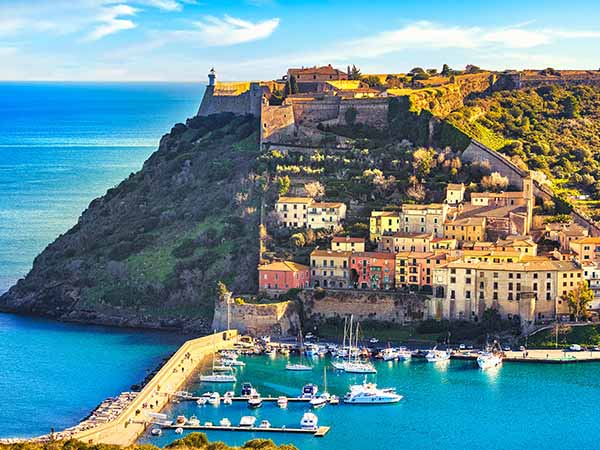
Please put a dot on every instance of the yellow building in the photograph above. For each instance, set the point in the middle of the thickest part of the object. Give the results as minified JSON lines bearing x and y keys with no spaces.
{"x":531,"y":290}
{"x":428,"y":218}
{"x":455,"y":193}
{"x":383,"y":222}
{"x":348,"y":244}
{"x":330,"y":269}
{"x":468,"y":229}
{"x":328,"y":215}
{"x":293,"y":211}
{"x":411,"y":242}
{"x":521,"y":244}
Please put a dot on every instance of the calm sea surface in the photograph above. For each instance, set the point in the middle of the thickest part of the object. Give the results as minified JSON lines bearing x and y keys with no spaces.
{"x":452,"y":406}
{"x":62,"y":145}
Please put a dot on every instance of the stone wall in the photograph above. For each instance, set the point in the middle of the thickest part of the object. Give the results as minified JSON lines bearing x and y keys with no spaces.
{"x":277,"y":123}
{"x":396,"y":307}
{"x":220,"y":101}
{"x":275,"y":319}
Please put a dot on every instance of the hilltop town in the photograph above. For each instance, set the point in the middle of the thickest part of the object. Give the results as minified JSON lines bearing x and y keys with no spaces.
{"x":424,"y":199}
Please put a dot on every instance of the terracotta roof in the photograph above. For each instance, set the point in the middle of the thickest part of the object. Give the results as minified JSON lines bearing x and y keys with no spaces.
{"x":384,"y":214}
{"x":306,"y":200}
{"x":283,"y":266}
{"x":323,"y":70}
{"x":541,"y":264}
{"x":327,"y":205}
{"x":420,"y":206}
{"x":380,"y":255}
{"x":587,"y":240}
{"x":347,"y":239}
{"x":331,"y":253}
{"x":455,"y":186}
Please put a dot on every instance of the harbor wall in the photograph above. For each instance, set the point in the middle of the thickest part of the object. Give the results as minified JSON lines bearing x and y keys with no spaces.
{"x":397,"y":307}
{"x":132,"y":422}
{"x":275,"y":319}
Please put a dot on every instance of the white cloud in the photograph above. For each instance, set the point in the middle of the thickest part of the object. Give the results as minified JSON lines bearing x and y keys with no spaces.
{"x":214,"y":31}
{"x":166,"y":5}
{"x":110,"y":21}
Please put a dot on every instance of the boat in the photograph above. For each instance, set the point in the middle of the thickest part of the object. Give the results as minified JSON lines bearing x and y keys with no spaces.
{"x":489,"y":360}
{"x":214,"y":399}
{"x":309,"y":421}
{"x":334,"y":400}
{"x":248,"y":390}
{"x":282,"y":401}
{"x":178,"y":430}
{"x":208,"y":424}
{"x":435,"y":355}
{"x":225,"y":422}
{"x":311,"y":350}
{"x":319,"y":402}
{"x":309,"y":391}
{"x":353,"y":364}
{"x":233,"y":363}
{"x":299,"y":367}
{"x":181,"y":420}
{"x":389,"y":354}
{"x":369,"y":394}
{"x":359,"y":367}
{"x":193,"y":421}
{"x":156,"y":432}
{"x":247,"y":421}
{"x":227,"y":400}
{"x":264,"y":424}
{"x":373,"y":341}
{"x":404,"y":354}
{"x":218,"y":377}
{"x":184,"y":395}
{"x":255,"y":401}
{"x":338,"y":364}
{"x":202,"y":401}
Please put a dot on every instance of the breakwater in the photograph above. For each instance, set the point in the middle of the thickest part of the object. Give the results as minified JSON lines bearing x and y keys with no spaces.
{"x":133,"y":420}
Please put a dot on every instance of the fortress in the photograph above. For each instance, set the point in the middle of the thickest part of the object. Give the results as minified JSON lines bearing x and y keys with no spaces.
{"x":325,"y":97}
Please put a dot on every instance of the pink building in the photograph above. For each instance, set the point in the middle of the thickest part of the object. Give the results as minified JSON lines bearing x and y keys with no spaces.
{"x":281,"y":276}
{"x":372,"y":270}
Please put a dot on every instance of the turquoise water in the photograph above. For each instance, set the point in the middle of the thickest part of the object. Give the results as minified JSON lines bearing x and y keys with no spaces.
{"x":64,"y":144}
{"x":449,"y":406}
{"x":53,"y":374}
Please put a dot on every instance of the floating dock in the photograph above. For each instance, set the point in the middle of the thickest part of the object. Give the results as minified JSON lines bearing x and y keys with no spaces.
{"x":319,"y":432}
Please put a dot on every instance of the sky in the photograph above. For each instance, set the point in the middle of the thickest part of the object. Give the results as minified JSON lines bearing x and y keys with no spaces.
{"x":180,"y":40}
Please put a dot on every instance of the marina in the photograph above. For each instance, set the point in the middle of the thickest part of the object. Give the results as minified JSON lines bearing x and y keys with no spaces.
{"x":319,"y":432}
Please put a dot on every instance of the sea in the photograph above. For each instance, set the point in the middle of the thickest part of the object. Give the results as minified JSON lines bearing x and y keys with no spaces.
{"x":61,"y":146}
{"x":452,"y":405}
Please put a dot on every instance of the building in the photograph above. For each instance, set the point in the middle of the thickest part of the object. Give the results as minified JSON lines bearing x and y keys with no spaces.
{"x":293,"y":211}
{"x":498,"y":199}
{"x":348,"y":244}
{"x":564,"y":233}
{"x":410,"y":242}
{"x":466,"y":229}
{"x":330,"y":269}
{"x":280,"y":276}
{"x":373,"y":270}
{"x":587,"y":249}
{"x":522,"y":244}
{"x":423,"y":218}
{"x":304,"y":212}
{"x":316,"y":74}
{"x":383,"y":222}
{"x":455,"y":193}
{"x":443,"y":244}
{"x":591,"y":274}
{"x":531,"y":290}
{"x":327,"y":215}
{"x":414,"y":270}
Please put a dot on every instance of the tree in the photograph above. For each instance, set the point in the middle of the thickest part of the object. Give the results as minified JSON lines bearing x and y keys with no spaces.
{"x":291,"y":86}
{"x":570,"y":107}
{"x":494,"y":182}
{"x":446,"y":70}
{"x":350,"y":116}
{"x":314,"y":189}
{"x":283,"y":185}
{"x":416,"y":190}
{"x":298,"y":240}
{"x":472,"y":68}
{"x":423,"y":161}
{"x":354,"y":73}
{"x":372,"y":81}
{"x":579,"y":300}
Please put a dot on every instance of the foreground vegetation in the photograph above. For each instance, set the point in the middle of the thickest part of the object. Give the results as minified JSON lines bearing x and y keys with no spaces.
{"x":193,"y":441}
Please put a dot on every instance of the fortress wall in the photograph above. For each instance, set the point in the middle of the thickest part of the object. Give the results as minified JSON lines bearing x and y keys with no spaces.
{"x":499,"y":163}
{"x":476,"y":82}
{"x":218,"y":99}
{"x":277,"y":319}
{"x":371,"y":112}
{"x":277,"y":122}
{"x":364,"y":305}
{"x":315,"y":111}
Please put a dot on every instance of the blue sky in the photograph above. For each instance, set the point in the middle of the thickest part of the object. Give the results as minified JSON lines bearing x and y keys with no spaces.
{"x":172,"y":40}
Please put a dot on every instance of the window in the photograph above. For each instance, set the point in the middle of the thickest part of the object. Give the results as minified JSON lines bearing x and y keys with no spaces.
{"x":495,"y":274}
{"x":510,"y":296}
{"x":535,"y":275}
{"x":495,"y":285}
{"x":468,"y":271}
{"x":495,"y":296}
{"x":510,"y":286}
{"x":547,"y":286}
{"x":467,"y":280}
{"x":468,"y":294}
{"x":510,"y":275}
{"x":452,"y":280}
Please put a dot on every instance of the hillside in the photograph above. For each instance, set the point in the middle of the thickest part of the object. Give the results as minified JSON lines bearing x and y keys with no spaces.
{"x":151,"y":250}
{"x":555,"y":130}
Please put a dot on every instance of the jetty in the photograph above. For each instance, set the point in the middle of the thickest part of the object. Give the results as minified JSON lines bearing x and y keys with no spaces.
{"x":318,"y":432}
{"x":245,"y":399}
{"x":125,"y":428}
{"x":539,"y":356}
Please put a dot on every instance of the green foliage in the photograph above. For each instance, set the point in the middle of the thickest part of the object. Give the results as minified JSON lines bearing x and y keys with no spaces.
{"x":354,"y":73}
{"x":579,"y":300}
{"x":372,"y":81}
{"x":185,"y":249}
{"x":283,"y":185}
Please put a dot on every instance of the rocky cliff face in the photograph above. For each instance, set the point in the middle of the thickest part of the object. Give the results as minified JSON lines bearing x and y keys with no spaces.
{"x":150,"y":252}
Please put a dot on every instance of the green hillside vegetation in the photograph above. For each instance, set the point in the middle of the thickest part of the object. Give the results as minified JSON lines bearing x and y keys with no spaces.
{"x":193,"y":441}
{"x":584,"y":335}
{"x":151,"y":250}
{"x":555,"y":130}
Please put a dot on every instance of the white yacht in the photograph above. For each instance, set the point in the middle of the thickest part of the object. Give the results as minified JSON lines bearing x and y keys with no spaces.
{"x":489,"y":360}
{"x":369,"y":394}
{"x":225,"y":422}
{"x":192,"y":421}
{"x":264,"y":424}
{"x":282,"y":401}
{"x":359,"y":367}
{"x":389,"y":354}
{"x":156,"y":432}
{"x":247,"y":421}
{"x":214,"y":399}
{"x":309,"y":421}
{"x":320,"y":401}
{"x":437,"y":355}
{"x":298,"y":367}
{"x":255,"y":401}
{"x":309,"y":391}
{"x":404,"y":354}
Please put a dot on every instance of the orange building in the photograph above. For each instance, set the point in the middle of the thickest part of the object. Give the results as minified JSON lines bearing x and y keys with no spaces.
{"x":281,"y":276}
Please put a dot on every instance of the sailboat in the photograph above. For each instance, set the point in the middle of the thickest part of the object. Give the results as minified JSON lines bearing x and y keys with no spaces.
{"x":299,"y":367}
{"x":338,"y":362}
{"x":357,"y":366}
{"x":321,"y":400}
{"x":218,"y":377}
{"x":491,"y":358}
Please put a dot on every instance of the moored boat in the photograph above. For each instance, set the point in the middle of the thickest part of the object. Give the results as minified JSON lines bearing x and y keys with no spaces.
{"x":255,"y":401}
{"x":309,"y":421}
{"x":264,"y":424}
{"x":435,"y":355}
{"x":156,"y":432}
{"x":282,"y":401}
{"x":309,"y":391}
{"x":225,"y":422}
{"x":247,"y":421}
{"x":369,"y":394}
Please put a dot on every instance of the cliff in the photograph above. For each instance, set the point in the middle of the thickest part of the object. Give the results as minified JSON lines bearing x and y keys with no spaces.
{"x":150,"y":251}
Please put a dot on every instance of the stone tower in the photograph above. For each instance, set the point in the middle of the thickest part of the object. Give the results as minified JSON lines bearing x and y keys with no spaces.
{"x":529,"y":199}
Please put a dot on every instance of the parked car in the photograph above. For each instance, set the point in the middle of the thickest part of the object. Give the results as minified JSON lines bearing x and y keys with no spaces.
{"x":575,"y":348}
{"x":462,"y":347}
{"x":506,"y":348}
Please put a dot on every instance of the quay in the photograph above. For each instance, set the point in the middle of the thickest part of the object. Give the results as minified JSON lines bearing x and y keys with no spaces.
{"x":539,"y":356}
{"x":131,"y":423}
{"x":245,"y":399}
{"x":319,"y":432}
